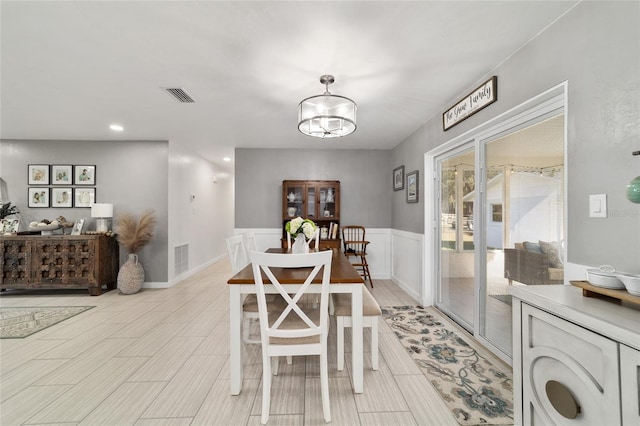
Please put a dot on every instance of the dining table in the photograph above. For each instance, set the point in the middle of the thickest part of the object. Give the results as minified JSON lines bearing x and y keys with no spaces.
{"x":344,"y":279}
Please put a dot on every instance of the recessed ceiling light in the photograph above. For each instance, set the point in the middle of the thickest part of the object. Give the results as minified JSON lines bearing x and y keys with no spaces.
{"x":227,"y":159}
{"x":116,"y":127}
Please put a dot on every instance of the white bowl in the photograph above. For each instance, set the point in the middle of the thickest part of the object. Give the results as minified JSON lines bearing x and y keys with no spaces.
{"x":604,"y":277}
{"x":631,"y":283}
{"x":45,"y":227}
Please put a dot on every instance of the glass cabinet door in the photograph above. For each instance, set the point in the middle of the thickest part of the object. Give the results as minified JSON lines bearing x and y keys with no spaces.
{"x":328,"y":201}
{"x":294,"y":200}
{"x":311,"y":203}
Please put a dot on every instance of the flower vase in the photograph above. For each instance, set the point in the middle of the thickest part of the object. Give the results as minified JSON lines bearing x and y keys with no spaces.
{"x":300,"y":245}
{"x":131,"y":275}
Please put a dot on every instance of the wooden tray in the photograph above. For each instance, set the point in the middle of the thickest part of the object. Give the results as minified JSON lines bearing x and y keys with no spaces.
{"x":590,"y":290}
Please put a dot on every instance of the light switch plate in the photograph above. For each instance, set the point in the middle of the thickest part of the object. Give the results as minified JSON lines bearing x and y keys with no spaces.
{"x":598,"y":205}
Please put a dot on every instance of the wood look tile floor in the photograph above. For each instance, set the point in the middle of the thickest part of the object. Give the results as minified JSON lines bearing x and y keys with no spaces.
{"x":161,"y":357}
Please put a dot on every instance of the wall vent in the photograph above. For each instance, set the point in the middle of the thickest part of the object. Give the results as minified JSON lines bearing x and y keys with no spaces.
{"x":179,"y":94}
{"x":181,"y":258}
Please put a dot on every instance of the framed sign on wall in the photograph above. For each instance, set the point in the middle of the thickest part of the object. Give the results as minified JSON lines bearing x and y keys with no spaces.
{"x":483,"y":96}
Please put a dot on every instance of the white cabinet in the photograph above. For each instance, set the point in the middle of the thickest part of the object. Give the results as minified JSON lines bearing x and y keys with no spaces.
{"x":630,"y":385}
{"x":576,"y":360}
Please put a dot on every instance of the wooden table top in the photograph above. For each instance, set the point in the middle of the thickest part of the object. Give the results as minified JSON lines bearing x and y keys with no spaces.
{"x":342,"y":271}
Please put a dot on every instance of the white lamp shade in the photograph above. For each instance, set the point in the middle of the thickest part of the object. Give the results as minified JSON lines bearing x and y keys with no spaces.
{"x":327,"y":116}
{"x":101,"y":210}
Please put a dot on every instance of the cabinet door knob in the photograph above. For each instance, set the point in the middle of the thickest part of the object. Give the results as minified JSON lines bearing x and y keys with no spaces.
{"x":562,"y":399}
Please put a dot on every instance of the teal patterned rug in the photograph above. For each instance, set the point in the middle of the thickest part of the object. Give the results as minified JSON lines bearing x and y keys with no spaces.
{"x":476,"y":386}
{"x":19,"y":322}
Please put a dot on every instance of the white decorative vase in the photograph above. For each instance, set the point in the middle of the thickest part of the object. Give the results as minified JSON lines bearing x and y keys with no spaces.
{"x":300,"y":245}
{"x":131,"y":275}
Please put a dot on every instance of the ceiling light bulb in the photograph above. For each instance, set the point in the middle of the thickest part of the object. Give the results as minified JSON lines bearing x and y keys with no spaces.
{"x":116,"y":127}
{"x":226,"y":159}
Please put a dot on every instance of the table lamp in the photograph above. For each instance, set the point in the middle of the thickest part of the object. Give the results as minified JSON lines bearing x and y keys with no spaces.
{"x":102,"y":212}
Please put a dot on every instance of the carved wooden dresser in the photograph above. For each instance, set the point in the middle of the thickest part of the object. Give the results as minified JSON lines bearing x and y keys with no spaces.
{"x":59,"y":261}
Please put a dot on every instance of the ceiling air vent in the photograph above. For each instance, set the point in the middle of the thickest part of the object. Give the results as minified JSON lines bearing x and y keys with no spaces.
{"x":180,"y":95}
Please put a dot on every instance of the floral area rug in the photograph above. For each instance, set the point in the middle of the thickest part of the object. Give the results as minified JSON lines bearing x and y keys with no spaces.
{"x":16,"y":323}
{"x":478,"y":390}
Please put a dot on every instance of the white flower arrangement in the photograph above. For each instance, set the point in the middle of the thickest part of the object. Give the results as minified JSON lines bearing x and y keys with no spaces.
{"x":299,"y":225}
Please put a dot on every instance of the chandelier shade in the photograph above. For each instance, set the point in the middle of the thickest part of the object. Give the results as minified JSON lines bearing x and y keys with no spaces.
{"x":327,"y":115}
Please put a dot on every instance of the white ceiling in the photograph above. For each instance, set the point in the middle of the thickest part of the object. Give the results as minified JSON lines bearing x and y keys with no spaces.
{"x":69,"y":69}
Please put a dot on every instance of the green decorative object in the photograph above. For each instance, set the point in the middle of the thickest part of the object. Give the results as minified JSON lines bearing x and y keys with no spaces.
{"x":633,"y":190}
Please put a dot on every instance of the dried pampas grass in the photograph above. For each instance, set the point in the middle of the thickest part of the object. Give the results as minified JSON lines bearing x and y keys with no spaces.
{"x":132,"y":234}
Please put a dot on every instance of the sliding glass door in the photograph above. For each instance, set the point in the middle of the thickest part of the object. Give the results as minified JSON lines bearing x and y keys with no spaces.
{"x":523,"y":202}
{"x":499,"y":222}
{"x":455,"y":292}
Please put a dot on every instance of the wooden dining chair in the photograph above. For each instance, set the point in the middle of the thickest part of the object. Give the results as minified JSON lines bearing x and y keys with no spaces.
{"x":371,"y":312}
{"x":239,"y":258}
{"x":355,"y":245}
{"x":297,"y":329}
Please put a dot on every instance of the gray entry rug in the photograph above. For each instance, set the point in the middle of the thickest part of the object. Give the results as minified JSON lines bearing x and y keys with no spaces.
{"x":19,"y":322}
{"x":476,"y":386}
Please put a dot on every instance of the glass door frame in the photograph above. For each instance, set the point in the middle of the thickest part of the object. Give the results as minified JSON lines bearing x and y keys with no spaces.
{"x":547,"y":104}
{"x":461,"y":149}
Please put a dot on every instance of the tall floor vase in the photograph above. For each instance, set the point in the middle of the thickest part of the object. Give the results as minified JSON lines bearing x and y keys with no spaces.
{"x":131,"y":275}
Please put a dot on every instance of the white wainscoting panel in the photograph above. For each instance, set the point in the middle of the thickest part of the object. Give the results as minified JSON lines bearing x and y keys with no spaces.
{"x":379,"y":252}
{"x":407,"y":264}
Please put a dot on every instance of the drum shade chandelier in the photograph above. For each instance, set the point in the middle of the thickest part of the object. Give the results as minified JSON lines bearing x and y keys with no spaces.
{"x":327,"y":115}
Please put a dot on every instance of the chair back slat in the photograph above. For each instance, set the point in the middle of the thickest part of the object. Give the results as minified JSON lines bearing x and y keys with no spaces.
{"x":353,"y":237}
{"x":314,"y":241}
{"x":313,"y":264}
{"x":237,"y":253}
{"x":250,"y":245}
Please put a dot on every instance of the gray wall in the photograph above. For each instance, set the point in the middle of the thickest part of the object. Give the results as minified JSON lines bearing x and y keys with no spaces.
{"x":132,"y":175}
{"x":596,"y":48}
{"x":364,"y":175}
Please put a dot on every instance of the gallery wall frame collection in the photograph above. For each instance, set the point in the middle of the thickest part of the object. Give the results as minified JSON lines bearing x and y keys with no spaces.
{"x":61,"y":185}
{"x":412,"y":186}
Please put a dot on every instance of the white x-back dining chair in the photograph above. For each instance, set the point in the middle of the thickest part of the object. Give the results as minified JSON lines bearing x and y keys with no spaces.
{"x":250,"y":245}
{"x":297,"y":329}
{"x":314,"y":242}
{"x":239,"y":258}
{"x":237,"y":253}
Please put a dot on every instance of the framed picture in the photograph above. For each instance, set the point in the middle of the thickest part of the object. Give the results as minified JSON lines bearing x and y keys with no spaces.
{"x":412,"y":187}
{"x":398,"y":178}
{"x":61,"y":197}
{"x":84,"y":175}
{"x":84,"y":197}
{"x":38,"y":174}
{"x":9,"y":226}
{"x":77,"y":227}
{"x":61,"y":174}
{"x":38,"y":197}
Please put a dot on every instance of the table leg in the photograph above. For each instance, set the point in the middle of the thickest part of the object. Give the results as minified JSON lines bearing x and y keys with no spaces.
{"x":357,"y":349}
{"x":235,"y":339}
